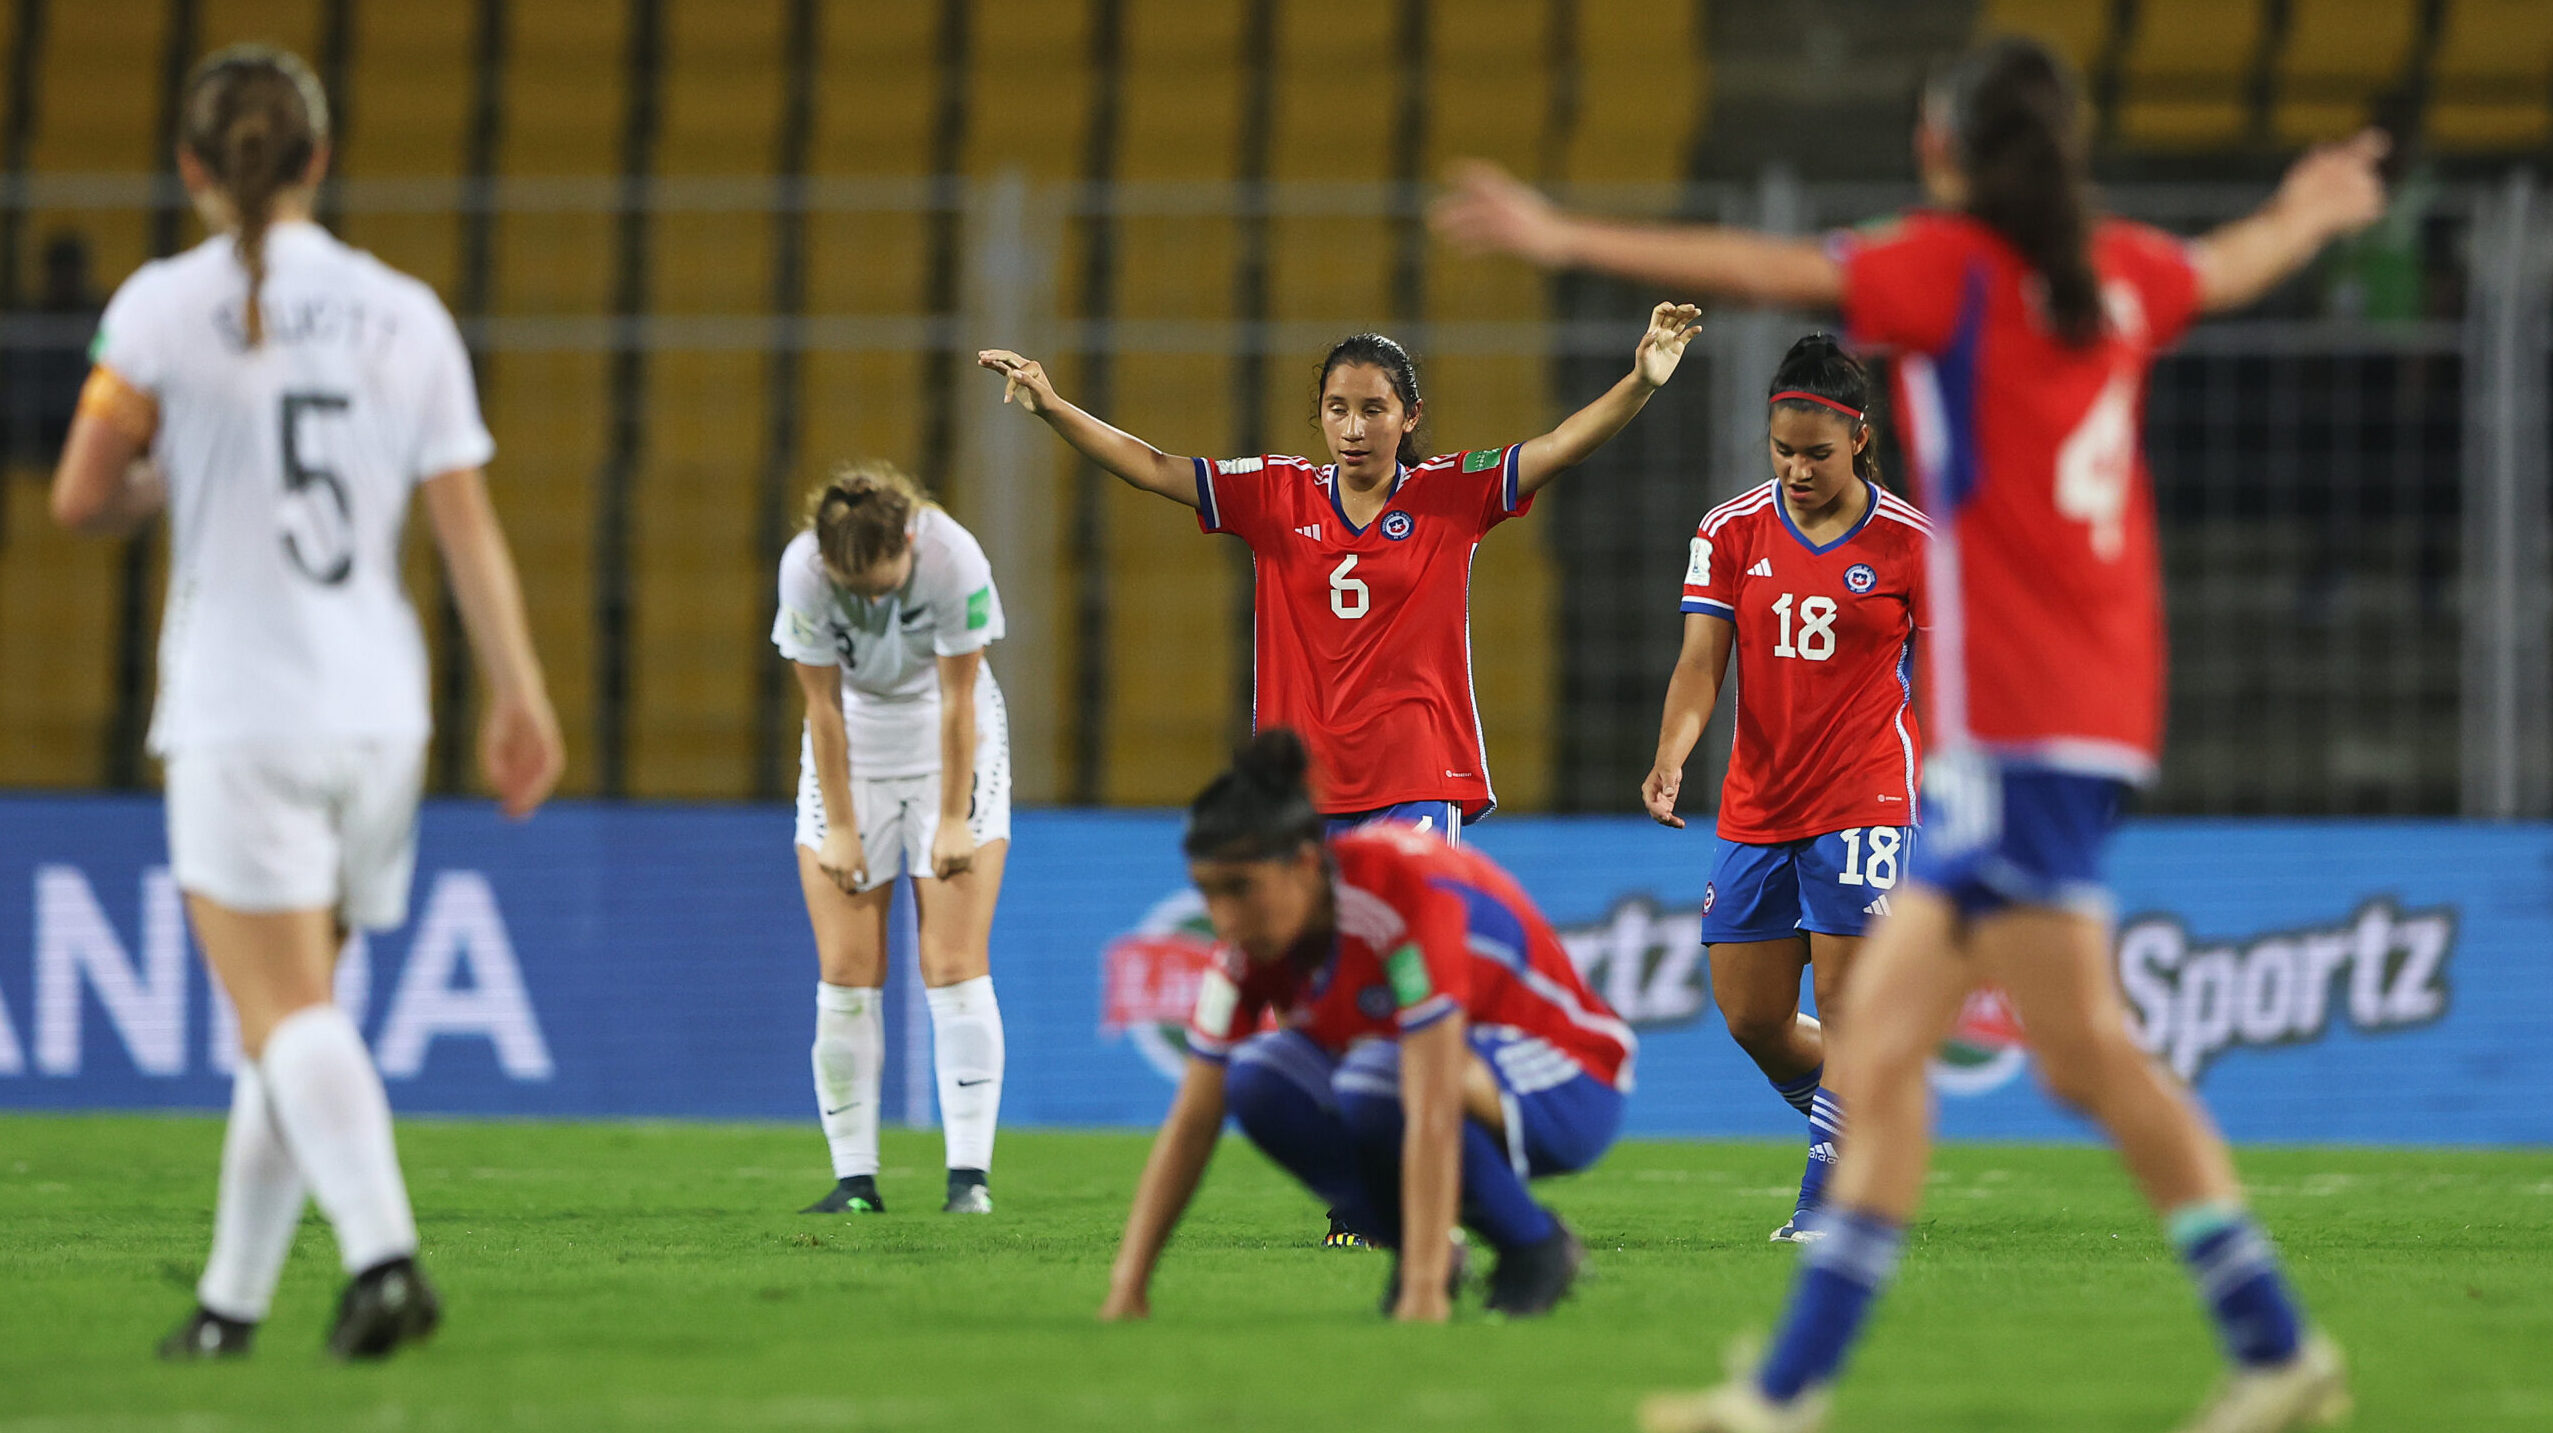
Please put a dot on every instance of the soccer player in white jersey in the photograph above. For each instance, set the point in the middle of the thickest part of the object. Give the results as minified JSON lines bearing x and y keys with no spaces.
{"x":886,"y":609}
{"x":280,"y":394}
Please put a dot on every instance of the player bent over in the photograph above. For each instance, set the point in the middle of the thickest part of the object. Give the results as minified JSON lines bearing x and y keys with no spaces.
{"x":886,"y":609}
{"x":1435,"y":1049}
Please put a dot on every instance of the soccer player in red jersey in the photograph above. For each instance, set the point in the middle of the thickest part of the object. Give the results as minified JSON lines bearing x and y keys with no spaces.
{"x":2025,"y":324}
{"x":1363,"y":613}
{"x":1436,"y":1048}
{"x":1813,"y":583}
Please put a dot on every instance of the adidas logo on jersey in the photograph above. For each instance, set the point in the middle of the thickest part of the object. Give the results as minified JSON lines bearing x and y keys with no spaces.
{"x":1763,"y":568}
{"x":1877,"y":907}
{"x":1313,"y":532}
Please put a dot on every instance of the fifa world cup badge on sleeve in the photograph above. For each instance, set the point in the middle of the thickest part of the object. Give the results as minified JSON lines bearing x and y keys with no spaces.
{"x":1474,"y":462}
{"x":979,"y":608}
{"x":1408,"y":971}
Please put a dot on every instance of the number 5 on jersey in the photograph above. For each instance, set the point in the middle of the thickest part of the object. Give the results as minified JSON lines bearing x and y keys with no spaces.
{"x":317,"y":518}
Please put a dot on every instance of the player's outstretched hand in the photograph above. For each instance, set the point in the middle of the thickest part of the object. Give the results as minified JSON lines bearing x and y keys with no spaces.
{"x":521,"y":750}
{"x":1024,"y":378}
{"x":1658,"y":793}
{"x":842,"y":861}
{"x":1671,"y":331}
{"x":1124,"y":1303}
{"x":952,"y":849}
{"x":2338,"y":188}
{"x":1491,"y":211}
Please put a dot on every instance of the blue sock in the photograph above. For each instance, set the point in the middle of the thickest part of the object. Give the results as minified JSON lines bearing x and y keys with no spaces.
{"x":1839,"y":1276}
{"x":1798,"y":1093}
{"x":2237,"y":1273}
{"x":1494,"y":1201}
{"x":1303,"y":1132}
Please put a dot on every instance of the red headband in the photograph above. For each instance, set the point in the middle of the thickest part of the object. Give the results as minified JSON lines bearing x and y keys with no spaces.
{"x":1794,"y":394}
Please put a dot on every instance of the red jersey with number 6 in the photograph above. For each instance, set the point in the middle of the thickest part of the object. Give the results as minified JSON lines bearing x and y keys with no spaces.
{"x":1362,"y":636}
{"x":1424,"y":930}
{"x":2046,"y":644}
{"x":1824,"y":659}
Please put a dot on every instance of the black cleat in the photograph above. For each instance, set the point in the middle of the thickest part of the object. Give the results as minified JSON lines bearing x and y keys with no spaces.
{"x":1531,"y":1281}
{"x":387,"y":1305}
{"x":969,"y":1193}
{"x":1458,"y":1272}
{"x":851,"y":1194}
{"x":1341,"y":1236}
{"x":206,"y":1334}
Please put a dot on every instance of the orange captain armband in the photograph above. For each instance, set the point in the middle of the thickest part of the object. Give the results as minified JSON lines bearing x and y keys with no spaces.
{"x":121,"y":406}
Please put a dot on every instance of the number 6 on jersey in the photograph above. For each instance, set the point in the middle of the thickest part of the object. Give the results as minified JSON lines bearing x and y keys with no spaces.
{"x":1349,"y":597}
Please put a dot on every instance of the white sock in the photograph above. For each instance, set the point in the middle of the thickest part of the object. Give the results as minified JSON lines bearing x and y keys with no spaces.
{"x":850,"y":1054}
{"x":336,"y":1119}
{"x":966,"y":1045}
{"x":257,"y":1211}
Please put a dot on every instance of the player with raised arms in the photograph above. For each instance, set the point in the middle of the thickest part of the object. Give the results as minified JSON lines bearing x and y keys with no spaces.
{"x":1436,"y":1048}
{"x":1362,"y":617}
{"x":1812,"y":583}
{"x":886,"y":609}
{"x":1363,"y":612}
{"x":2024,"y":324}
{"x":281,"y":394}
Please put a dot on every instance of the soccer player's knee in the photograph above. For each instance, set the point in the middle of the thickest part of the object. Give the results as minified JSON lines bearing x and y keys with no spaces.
{"x":2076,"y":1073}
{"x":1760,"y":1033}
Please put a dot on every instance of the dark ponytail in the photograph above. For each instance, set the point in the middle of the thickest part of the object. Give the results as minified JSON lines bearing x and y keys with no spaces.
{"x":1258,"y":810}
{"x":254,"y":117}
{"x":2013,"y":109}
{"x":1818,"y":366}
{"x":1373,"y":350}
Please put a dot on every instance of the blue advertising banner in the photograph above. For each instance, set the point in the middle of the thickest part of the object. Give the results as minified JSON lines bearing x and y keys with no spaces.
{"x":2366,"y":982}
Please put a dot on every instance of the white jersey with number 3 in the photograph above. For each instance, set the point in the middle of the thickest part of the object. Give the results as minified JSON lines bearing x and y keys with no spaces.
{"x":289,"y":467}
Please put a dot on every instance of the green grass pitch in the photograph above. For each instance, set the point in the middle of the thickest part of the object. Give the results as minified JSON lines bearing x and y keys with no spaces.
{"x":652,"y":1275}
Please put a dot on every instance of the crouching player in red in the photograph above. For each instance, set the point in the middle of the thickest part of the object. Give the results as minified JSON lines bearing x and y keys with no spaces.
{"x":1436,"y":1047}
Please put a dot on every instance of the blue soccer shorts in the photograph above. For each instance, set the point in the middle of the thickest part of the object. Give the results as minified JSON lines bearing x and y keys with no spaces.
{"x":1442,"y":819}
{"x":1831,"y":884}
{"x":1998,"y":835}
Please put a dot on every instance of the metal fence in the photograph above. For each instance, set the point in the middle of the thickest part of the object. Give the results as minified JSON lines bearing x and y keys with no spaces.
{"x":2352,"y":480}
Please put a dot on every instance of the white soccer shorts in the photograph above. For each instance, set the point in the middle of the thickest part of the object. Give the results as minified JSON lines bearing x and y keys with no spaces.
{"x":261,"y":828}
{"x":899,"y":815}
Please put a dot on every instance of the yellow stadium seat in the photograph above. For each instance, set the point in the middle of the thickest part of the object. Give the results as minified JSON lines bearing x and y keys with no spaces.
{"x":2080,"y":30}
{"x":2492,"y":77}
{"x":1028,"y":88}
{"x":293,"y":24}
{"x":411,"y":81}
{"x":2186,"y":73}
{"x":1637,"y":131}
{"x":2338,"y":55}
{"x":1180,"y":91}
{"x":700,"y":596}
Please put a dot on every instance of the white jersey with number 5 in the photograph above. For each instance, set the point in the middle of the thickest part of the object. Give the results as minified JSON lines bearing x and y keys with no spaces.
{"x":289,"y":467}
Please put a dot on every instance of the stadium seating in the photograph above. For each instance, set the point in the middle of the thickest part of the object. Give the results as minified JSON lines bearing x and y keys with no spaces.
{"x":1636,"y":133}
{"x":2185,"y":78}
{"x":701,"y":593}
{"x":1168,"y":719}
{"x":2081,"y":30}
{"x":2492,"y":82}
{"x":2336,"y":57}
{"x":564,"y":115}
{"x":97,"y":112}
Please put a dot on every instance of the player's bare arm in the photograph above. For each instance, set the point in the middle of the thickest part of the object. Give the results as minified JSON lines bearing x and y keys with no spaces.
{"x":1490,"y":211}
{"x":106,"y":485}
{"x":953,"y":845}
{"x":1691,"y":693}
{"x":1178,"y":1161}
{"x":2333,"y":191}
{"x":1024,"y":382}
{"x":1433,"y":1064}
{"x":840,"y":857}
{"x":520,"y":747}
{"x":1671,"y":330}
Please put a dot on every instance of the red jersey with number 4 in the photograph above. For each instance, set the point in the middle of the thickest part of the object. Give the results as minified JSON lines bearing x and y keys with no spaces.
{"x":1362,"y":636}
{"x":2046,"y":644}
{"x":1425,"y":930}
{"x":1824,"y":661}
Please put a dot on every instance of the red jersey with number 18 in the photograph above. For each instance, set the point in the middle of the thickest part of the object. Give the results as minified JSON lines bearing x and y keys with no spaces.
{"x":1823,"y":653}
{"x":1363,"y":635}
{"x":2046,"y":644}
